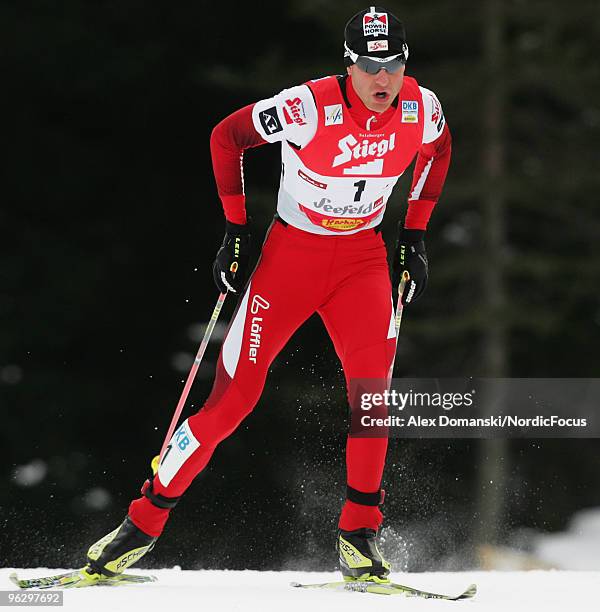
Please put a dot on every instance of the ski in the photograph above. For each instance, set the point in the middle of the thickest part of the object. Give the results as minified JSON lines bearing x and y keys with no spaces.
{"x":77,"y":579}
{"x":387,"y":588}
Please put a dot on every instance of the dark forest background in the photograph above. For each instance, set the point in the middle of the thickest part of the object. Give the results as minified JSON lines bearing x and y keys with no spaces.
{"x":110,"y":221}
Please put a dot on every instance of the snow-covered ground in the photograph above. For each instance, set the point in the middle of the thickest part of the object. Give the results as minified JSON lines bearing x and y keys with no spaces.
{"x":249,"y":591}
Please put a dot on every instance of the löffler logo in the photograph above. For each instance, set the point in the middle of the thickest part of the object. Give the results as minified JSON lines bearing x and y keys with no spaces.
{"x":258,"y":302}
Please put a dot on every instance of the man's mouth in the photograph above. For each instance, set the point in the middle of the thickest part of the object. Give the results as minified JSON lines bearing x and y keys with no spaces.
{"x":382,"y":95}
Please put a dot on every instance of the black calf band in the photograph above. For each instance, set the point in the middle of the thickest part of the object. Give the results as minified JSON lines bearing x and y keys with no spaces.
{"x":366,"y":499}
{"x":160,"y":501}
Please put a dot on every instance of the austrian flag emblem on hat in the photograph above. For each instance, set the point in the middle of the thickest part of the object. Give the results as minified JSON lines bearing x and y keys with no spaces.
{"x":375,"y":24}
{"x":377,"y":45}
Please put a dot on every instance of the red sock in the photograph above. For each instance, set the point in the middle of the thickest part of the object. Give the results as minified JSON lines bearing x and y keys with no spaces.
{"x":147,"y":517}
{"x":356,"y":516}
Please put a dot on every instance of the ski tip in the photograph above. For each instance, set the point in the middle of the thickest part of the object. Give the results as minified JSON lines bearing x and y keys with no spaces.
{"x":469,"y":592}
{"x":14,"y":578}
{"x":295,"y":584}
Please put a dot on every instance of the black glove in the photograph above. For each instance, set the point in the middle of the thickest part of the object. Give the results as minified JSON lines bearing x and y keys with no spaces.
{"x":410,"y":255}
{"x":233,"y":252}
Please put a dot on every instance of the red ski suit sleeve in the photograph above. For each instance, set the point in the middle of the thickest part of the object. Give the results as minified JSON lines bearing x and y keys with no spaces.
{"x":228,"y":141}
{"x":431,"y":168}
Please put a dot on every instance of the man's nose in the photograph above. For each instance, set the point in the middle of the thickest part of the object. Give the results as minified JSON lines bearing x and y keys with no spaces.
{"x":382,"y":77}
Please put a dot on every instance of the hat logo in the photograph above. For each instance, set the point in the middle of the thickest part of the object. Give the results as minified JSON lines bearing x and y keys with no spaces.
{"x":377,"y":45}
{"x":375,"y":24}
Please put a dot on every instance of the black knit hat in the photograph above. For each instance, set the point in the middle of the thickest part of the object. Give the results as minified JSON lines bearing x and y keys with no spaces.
{"x":375,"y":32}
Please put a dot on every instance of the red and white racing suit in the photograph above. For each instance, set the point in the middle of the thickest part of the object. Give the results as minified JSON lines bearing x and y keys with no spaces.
{"x":322,"y":254}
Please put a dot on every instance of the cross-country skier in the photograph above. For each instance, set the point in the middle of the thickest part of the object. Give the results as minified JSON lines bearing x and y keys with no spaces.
{"x":345,"y":141}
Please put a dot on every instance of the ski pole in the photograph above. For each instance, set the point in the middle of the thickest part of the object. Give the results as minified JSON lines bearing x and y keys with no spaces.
{"x":192,"y":375}
{"x":399,"y":306}
{"x":398,"y":317}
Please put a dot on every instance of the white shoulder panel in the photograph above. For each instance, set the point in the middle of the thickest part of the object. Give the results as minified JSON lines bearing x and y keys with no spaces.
{"x":433,"y":116}
{"x":290,"y":115}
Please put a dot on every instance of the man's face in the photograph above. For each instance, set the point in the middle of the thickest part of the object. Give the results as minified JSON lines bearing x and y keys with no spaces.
{"x":377,"y":91}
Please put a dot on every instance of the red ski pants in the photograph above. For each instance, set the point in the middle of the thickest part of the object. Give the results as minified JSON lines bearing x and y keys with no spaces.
{"x":345,"y":279}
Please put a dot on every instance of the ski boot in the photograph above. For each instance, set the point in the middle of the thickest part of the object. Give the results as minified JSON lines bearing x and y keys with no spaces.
{"x":111,"y":555}
{"x":360,"y":558}
{"x":115,"y":552}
